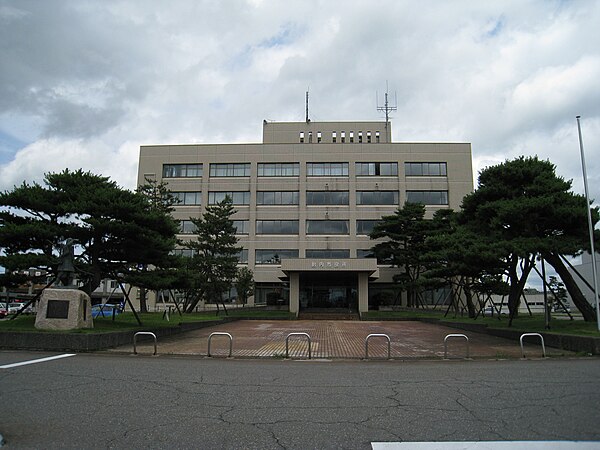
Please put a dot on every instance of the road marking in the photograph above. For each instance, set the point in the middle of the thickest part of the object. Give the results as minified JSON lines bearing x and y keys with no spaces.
{"x":35,"y":361}
{"x":488,"y":445}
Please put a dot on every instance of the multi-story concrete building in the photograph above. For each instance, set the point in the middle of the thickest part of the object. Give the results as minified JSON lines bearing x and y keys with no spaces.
{"x":306,"y":199}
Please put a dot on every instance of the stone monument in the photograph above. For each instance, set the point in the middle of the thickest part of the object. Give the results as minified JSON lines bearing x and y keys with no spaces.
{"x":63,"y":306}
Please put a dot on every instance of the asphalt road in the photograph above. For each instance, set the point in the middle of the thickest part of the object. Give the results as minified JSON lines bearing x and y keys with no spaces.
{"x":117,"y":401}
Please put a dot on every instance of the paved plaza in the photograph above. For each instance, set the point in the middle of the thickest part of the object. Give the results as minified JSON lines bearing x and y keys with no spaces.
{"x":340,"y":339}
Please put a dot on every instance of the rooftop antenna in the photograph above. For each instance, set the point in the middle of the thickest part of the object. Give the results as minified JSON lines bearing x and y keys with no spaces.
{"x":387,"y":108}
{"x":307,"y":119}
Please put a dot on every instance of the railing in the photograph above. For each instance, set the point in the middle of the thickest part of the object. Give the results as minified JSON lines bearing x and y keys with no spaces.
{"x":220,"y":333}
{"x":389,"y":343}
{"x":306,"y":335}
{"x":143,"y":333}
{"x":454,"y":336}
{"x":532,"y":334}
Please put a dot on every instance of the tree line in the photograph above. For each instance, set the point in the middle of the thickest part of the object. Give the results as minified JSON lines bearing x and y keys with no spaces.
{"x":122,"y":235}
{"x":520,"y":213}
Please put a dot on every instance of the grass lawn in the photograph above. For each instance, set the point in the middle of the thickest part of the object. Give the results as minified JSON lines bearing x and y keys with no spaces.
{"x":127,"y":322}
{"x":524,"y":322}
{"x":123,"y":322}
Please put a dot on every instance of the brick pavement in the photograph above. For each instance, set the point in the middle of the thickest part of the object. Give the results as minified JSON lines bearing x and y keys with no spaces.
{"x":339,"y":339}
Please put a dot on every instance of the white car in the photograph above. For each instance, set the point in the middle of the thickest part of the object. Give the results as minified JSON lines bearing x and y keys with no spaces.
{"x":13,"y":308}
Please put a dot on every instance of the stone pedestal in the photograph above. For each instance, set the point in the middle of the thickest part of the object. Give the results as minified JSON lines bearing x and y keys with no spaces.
{"x":64,"y":309}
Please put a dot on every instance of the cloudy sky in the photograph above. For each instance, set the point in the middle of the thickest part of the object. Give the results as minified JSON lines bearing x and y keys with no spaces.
{"x":85,"y":83}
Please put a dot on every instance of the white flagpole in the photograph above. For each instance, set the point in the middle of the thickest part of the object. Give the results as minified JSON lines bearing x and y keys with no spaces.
{"x":590,"y":224}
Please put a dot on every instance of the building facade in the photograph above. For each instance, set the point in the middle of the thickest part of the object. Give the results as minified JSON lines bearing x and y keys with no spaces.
{"x":306,"y":199}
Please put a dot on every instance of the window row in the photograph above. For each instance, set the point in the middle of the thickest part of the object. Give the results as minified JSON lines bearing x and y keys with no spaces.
{"x":280,"y":227}
{"x":307,"y":137}
{"x":314,"y":198}
{"x":242,"y":227}
{"x":274,"y":256}
{"x":332,"y":169}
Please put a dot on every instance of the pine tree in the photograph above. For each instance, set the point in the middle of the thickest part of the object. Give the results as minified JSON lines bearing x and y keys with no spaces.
{"x":216,"y":254}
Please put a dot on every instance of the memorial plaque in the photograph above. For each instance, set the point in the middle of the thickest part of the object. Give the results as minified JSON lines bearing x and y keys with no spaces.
{"x":57,"y":309}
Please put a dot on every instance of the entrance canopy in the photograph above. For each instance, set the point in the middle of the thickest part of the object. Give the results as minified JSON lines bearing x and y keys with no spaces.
{"x":331,"y":282}
{"x":364,"y":265}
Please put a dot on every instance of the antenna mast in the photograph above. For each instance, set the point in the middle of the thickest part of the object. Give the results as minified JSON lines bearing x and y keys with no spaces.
{"x":307,"y":119}
{"x":387,"y":108}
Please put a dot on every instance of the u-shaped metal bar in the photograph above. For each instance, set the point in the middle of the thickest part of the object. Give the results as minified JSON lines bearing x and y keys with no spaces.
{"x":532,"y":334}
{"x":454,"y":336}
{"x":306,"y":335}
{"x":220,"y":333}
{"x":143,"y":333}
{"x":389,"y":343}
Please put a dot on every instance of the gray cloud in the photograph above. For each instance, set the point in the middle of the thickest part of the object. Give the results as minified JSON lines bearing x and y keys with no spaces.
{"x":93,"y":78}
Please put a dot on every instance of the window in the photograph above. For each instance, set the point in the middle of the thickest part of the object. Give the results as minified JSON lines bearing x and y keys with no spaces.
{"x":277,"y":227}
{"x":427,"y":197}
{"x":241,"y":226}
{"x":417,"y":169}
{"x":327,"y":169}
{"x":188,"y":198}
{"x":360,"y":137}
{"x":237,"y":198}
{"x":328,"y":254}
{"x":343,"y":136}
{"x":185,"y":252}
{"x":327,"y":198}
{"x":274,"y":256}
{"x":319,"y":137}
{"x":333,"y":137}
{"x":377,"y":137}
{"x":376,"y":169}
{"x":277,"y":197}
{"x":182,"y":170}
{"x":310,"y":137}
{"x":302,"y":137}
{"x":278,"y":169}
{"x":187,"y":227}
{"x":352,"y":137}
{"x":365,"y":253}
{"x":368,"y":137}
{"x":376,"y":197}
{"x":243,"y":256}
{"x":365,"y":226}
{"x":327,"y":227}
{"x":230,"y":170}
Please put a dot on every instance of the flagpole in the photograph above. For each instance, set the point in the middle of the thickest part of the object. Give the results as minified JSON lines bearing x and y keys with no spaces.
{"x":590,"y":224}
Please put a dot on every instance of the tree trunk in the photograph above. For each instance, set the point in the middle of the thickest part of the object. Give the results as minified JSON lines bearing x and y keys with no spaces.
{"x":469,"y":301}
{"x":143,"y":303}
{"x":577,"y":296}
{"x":517,"y":285}
{"x":94,"y":281}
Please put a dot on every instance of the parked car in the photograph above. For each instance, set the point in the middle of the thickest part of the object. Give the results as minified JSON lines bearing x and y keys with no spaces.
{"x":3,"y":310}
{"x":105,"y":310}
{"x":13,"y":308}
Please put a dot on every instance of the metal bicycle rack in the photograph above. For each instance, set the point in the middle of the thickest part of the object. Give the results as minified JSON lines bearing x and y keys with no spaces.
{"x":220,"y":333}
{"x":454,"y":336}
{"x":306,"y":335}
{"x":532,"y":334}
{"x":143,"y":333}
{"x":389,"y":343}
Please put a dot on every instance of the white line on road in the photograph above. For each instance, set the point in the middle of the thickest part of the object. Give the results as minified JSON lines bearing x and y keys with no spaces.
{"x":488,"y":445}
{"x":34,"y":361}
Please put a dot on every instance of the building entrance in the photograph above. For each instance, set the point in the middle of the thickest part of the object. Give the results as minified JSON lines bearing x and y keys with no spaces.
{"x":328,"y":291}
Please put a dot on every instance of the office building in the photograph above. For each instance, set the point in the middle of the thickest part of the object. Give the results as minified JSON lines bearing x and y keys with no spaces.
{"x":306,"y":199}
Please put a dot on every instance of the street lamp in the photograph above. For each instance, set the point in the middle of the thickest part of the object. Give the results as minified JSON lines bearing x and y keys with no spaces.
{"x":590,"y":224}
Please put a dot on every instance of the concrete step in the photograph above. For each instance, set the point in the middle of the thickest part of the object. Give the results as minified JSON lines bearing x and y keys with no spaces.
{"x":328,"y":316}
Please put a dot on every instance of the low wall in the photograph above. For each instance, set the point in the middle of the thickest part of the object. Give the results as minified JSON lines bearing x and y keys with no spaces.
{"x":586,"y":344}
{"x":86,"y":342}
